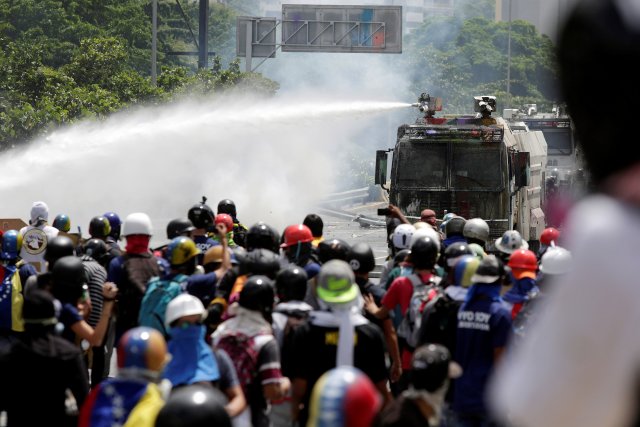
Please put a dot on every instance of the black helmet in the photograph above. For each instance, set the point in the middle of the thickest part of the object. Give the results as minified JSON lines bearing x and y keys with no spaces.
{"x":228,"y":207}
{"x":179,"y":227}
{"x":430,"y":367}
{"x":201,"y":215}
{"x":490,"y":270}
{"x":361,"y":258}
{"x":262,"y":262}
{"x":333,"y":249}
{"x":39,"y":308}
{"x":455,"y":251}
{"x":315,"y":224}
{"x":424,"y":253}
{"x":258,"y":294}
{"x":263,"y":236}
{"x":596,"y":46}
{"x":401,"y":256}
{"x":58,"y":247}
{"x":68,"y":278}
{"x":99,"y":227}
{"x":96,"y":249}
{"x":194,"y":406}
{"x":291,"y":283}
{"x":455,"y":226}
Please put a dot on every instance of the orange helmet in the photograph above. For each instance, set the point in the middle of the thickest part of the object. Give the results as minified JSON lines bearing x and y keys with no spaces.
{"x":295,"y":234}
{"x":549,"y":235}
{"x":524,"y":259}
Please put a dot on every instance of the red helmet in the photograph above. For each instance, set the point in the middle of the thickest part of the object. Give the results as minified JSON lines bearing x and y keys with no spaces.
{"x":226,"y":220}
{"x":524,"y":259}
{"x":549,"y":235}
{"x":295,"y":234}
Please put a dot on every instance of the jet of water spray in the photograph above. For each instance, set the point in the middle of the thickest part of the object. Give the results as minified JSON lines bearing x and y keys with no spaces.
{"x":274,"y":157}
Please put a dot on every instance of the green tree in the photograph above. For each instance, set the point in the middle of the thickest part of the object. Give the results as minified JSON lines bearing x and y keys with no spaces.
{"x":458,"y":59}
{"x":64,"y":60}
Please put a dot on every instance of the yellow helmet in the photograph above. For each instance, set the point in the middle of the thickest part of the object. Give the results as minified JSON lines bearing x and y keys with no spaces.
{"x":181,"y":250}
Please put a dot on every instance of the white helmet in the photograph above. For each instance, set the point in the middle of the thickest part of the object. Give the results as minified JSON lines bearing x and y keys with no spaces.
{"x":183,"y":305}
{"x":402,"y":236}
{"x":425,"y":232}
{"x":476,"y":228}
{"x":556,"y":260}
{"x":137,"y":223}
{"x":510,"y":242}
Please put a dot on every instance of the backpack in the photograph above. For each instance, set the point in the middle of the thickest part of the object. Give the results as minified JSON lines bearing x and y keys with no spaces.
{"x":440,"y":321}
{"x":244,"y":351}
{"x":422,"y":294}
{"x":137,"y":270}
{"x":154,"y":303}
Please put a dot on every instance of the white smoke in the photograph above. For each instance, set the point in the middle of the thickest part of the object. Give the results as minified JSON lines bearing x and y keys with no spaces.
{"x":273,"y":157}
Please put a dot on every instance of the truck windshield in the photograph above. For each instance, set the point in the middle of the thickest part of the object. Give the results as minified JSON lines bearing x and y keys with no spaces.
{"x":422,"y":165}
{"x":558,"y":141}
{"x":476,"y":167}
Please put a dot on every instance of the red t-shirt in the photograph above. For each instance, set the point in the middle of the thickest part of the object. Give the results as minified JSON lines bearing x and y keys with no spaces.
{"x":399,"y":294}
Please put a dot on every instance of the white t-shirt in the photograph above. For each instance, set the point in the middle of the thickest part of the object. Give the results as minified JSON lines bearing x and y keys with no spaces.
{"x":579,"y":364}
{"x":34,"y":244}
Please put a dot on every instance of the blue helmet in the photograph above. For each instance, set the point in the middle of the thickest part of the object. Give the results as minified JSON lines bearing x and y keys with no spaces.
{"x":143,"y":349}
{"x":11,"y":245}
{"x":115,"y":222}
{"x":464,"y":269}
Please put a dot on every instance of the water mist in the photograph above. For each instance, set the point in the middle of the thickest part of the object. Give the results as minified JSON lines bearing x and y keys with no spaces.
{"x":273,"y":157}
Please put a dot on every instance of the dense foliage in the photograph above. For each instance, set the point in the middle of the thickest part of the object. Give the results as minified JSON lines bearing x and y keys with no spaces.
{"x":465,"y":55}
{"x":62,"y":60}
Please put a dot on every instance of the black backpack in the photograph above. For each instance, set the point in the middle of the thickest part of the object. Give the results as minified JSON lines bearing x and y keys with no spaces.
{"x":440,"y":321}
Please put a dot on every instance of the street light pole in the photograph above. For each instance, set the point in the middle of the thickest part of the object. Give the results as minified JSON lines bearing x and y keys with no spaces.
{"x":154,"y":41}
{"x":203,"y":33}
{"x":509,"y":59}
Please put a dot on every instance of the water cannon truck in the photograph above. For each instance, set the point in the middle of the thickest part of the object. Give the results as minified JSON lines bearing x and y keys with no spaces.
{"x":564,"y":162}
{"x":474,"y":165}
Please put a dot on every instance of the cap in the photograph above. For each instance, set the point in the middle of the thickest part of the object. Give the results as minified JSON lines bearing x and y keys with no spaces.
{"x":336,"y":282}
{"x":39,"y":212}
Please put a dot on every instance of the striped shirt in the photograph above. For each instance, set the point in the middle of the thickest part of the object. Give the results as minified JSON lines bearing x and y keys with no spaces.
{"x":96,"y":276}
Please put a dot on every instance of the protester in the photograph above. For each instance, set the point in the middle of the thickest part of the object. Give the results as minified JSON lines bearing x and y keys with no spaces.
{"x":336,"y":336}
{"x":343,"y":397}
{"x":578,"y":365}
{"x":484,"y":327}
{"x":133,"y":397}
{"x":422,"y":404}
{"x":40,"y":373}
{"x":36,"y":236}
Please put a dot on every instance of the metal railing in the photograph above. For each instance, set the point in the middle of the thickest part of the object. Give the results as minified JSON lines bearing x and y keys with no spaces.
{"x":351,"y":197}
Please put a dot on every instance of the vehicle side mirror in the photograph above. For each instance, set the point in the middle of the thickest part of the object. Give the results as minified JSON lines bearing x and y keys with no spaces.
{"x":522,"y":170}
{"x":381,"y":167}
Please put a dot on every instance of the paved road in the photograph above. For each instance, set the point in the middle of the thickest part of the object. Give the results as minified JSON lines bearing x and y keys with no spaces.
{"x":351,"y":232}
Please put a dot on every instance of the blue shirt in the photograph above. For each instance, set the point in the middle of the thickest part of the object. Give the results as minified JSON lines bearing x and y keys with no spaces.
{"x":204,"y":243}
{"x":203,"y":286}
{"x":453,"y":239}
{"x":520,"y":290}
{"x":312,"y":269}
{"x":69,"y":316}
{"x":483,"y":325}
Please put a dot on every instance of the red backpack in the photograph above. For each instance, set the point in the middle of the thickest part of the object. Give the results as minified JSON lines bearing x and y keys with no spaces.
{"x":244,"y":351}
